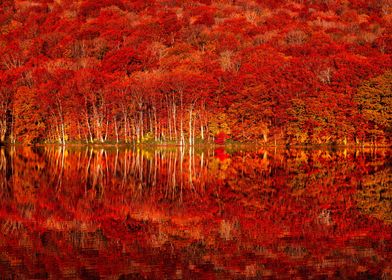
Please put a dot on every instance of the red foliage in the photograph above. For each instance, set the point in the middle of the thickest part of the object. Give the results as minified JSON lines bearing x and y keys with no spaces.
{"x":124,"y":59}
{"x":270,"y":66}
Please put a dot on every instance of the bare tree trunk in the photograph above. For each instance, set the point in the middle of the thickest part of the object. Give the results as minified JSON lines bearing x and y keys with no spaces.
{"x":141,"y":124}
{"x":190,"y":125}
{"x":175,"y":122}
{"x":125,"y":116}
{"x":182,"y":139}
{"x":89,"y":127}
{"x":193,"y":131}
{"x":12,"y":133}
{"x":169,"y":117}
{"x":115,"y":129}
{"x":150,"y":121}
{"x":60,"y":111}
{"x":155,"y":125}
{"x":106,"y":129}
{"x":97,"y":124}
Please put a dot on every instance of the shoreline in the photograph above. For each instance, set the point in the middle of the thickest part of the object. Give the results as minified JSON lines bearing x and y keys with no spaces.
{"x":204,"y":145}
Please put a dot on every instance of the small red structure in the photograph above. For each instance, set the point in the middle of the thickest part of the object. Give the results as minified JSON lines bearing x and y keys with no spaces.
{"x":221,"y":154}
{"x":220,"y":138}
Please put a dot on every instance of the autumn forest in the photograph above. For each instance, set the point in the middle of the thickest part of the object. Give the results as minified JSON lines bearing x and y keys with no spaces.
{"x":187,"y":72}
{"x":195,"y":139}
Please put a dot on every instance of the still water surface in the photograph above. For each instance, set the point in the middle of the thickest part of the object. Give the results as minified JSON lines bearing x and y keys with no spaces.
{"x":91,"y":213}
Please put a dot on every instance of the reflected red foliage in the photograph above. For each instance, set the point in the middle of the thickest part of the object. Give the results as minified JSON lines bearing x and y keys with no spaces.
{"x":96,"y":213}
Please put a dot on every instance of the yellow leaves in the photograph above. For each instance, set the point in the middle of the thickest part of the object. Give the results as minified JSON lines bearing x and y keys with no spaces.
{"x":159,"y":50}
{"x":374,"y":99}
{"x":226,"y":60}
{"x":219,"y":123}
{"x":227,"y":229}
{"x":375,"y":198}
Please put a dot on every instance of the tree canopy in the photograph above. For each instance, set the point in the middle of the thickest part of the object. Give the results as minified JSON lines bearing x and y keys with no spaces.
{"x":288,"y":71}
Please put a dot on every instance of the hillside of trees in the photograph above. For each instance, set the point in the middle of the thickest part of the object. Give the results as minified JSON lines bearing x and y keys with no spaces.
{"x":187,"y":72}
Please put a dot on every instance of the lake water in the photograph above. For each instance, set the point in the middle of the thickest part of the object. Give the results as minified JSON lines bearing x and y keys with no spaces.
{"x":92,"y":213}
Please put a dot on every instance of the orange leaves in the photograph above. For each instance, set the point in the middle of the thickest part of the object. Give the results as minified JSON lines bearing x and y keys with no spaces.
{"x":29,"y":125}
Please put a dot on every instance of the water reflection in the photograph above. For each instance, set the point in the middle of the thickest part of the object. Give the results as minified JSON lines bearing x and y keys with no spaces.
{"x":93,"y":213}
